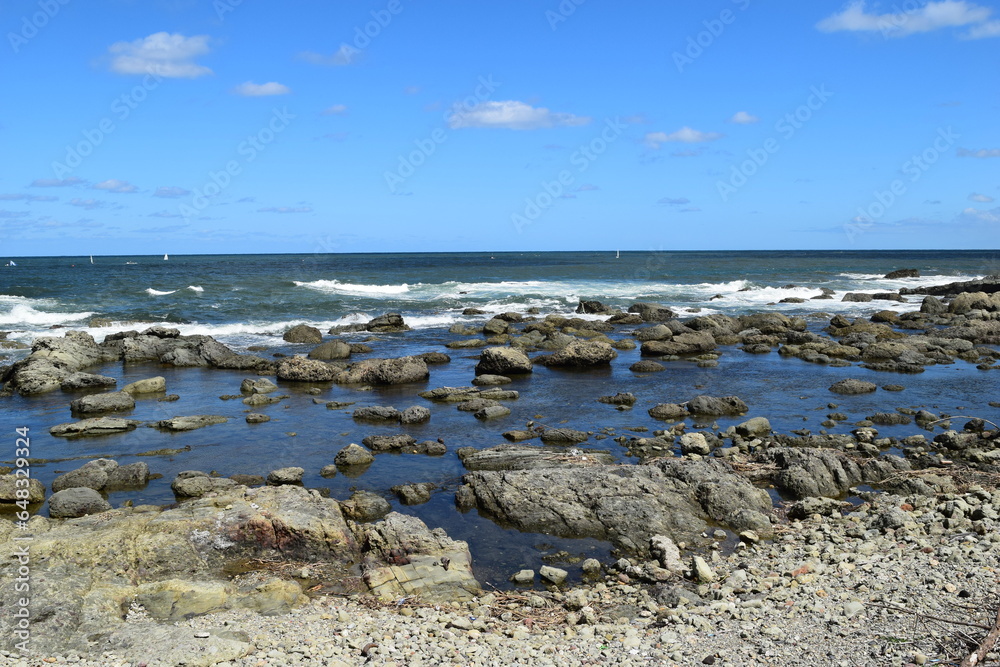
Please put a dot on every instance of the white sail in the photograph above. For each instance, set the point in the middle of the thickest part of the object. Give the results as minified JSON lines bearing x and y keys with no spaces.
{"x":165,"y":258}
{"x":91,"y":259}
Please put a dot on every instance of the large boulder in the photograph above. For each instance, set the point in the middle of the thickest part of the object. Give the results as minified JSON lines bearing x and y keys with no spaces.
{"x":652,"y":312}
{"x":503,"y":361}
{"x":809,"y":472}
{"x":717,"y":406}
{"x":624,"y":504}
{"x":353,"y":455}
{"x":388,"y":323}
{"x":14,"y":487}
{"x":76,"y":502}
{"x":303,"y":333}
{"x":91,"y":475}
{"x":300,"y":369}
{"x":385,"y":371}
{"x":582,"y":354}
{"x":330,"y":350}
{"x":902,"y":273}
{"x":116,"y":401}
{"x":696,"y":342}
{"x":53,"y":360}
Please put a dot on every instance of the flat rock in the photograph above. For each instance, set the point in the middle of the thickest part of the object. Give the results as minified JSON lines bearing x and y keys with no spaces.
{"x":527,"y":457}
{"x":717,"y":406}
{"x":488,"y":380}
{"x":257,"y":386}
{"x":80,"y":380}
{"x":190,"y":423}
{"x":647,"y":366}
{"x":415,"y":414}
{"x":117,"y":401}
{"x":300,"y":369}
{"x":377,"y":413}
{"x":668,"y":411}
{"x":94,"y":426}
{"x":334,"y":349}
{"x":388,"y":443}
{"x":563,"y":436}
{"x":400,"y":370}
{"x":153,"y":385}
{"x":582,"y":354}
{"x":853,"y":386}
{"x":289,"y":475}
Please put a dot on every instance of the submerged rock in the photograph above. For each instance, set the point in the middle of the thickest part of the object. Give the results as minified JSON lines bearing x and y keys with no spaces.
{"x":852,"y":386}
{"x":117,"y":401}
{"x":190,"y":423}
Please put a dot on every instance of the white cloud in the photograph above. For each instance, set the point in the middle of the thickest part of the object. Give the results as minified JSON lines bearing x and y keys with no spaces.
{"x":170,"y":191}
{"x":976,"y":215}
{"x":335,"y":110}
{"x":981,"y":153}
{"x":511,"y":115}
{"x":345,"y":55}
{"x":114,"y":185}
{"x":671,"y":201}
{"x":285,"y":209}
{"x":163,"y":54}
{"x":88,"y":204}
{"x":21,"y":197}
{"x":983,"y":30}
{"x":928,"y":17}
{"x":684,"y":135}
{"x":55,"y":182}
{"x":983,"y":199}
{"x":251,"y":89}
{"x":743,"y":118}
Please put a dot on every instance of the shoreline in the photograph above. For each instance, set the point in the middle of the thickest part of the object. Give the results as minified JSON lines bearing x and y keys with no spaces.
{"x":688,"y":453}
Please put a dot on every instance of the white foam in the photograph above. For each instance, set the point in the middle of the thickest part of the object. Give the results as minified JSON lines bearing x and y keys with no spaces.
{"x":23,"y":315}
{"x":155,"y":292}
{"x":335,"y":286}
{"x":196,"y":288}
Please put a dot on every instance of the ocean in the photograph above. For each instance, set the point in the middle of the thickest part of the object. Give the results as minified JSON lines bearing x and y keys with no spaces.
{"x":250,"y":300}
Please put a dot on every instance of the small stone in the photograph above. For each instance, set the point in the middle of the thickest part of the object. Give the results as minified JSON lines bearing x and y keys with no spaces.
{"x":553,"y":574}
{"x":523,"y":577}
{"x":853,"y":608}
{"x":702,"y":572}
{"x":202,"y":635}
{"x":920,"y":658}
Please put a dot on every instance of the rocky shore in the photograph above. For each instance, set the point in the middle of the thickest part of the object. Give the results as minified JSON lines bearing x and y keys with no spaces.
{"x":735,"y":546}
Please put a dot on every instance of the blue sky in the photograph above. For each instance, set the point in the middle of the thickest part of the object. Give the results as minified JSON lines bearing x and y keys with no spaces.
{"x":182,"y":126}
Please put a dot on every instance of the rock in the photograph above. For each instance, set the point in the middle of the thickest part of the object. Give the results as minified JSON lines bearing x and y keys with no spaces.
{"x":651,"y":312}
{"x":490,"y":380}
{"x":621,"y":398}
{"x":334,"y":349}
{"x":415,"y":414}
{"x":968,"y":301}
{"x":858,"y":297}
{"x":716,"y":406}
{"x":377,"y":413}
{"x":503,"y":361}
{"x":190,"y":423}
{"x":52,"y":360}
{"x":80,"y":380}
{"x":695,"y":443}
{"x":388,"y":323}
{"x":496,"y":327}
{"x":415,"y":555}
{"x":153,"y":385}
{"x":853,"y":386}
{"x":527,"y":457}
{"x":989,"y":284}
{"x":933,"y":306}
{"x":434,"y":358}
{"x":476,"y":404}
{"x":755,"y":427}
{"x":582,"y":354}
{"x":300,"y":369}
{"x":10,"y":485}
{"x":361,"y":348}
{"x":289,"y":475}
{"x":76,"y":502}
{"x":194,"y":484}
{"x":667,"y":553}
{"x":594,"y":308}
{"x":805,"y":472}
{"x":260,"y":400}
{"x":564,"y":436}
{"x":303,"y":333}
{"x":130,"y":476}
{"x":523,"y":577}
{"x":668,"y":411}
{"x":152,"y":643}
{"x":92,"y":475}
{"x":385,"y":371}
{"x":902,"y":273}
{"x":94,"y":426}
{"x":388,"y":443}
{"x":257,"y":386}
{"x":365,"y":506}
{"x":117,"y":401}
{"x":624,"y":504}
{"x":328,"y":471}
{"x":257,"y":418}
{"x":697,"y":342}
{"x":413,"y":494}
{"x":658,"y":332}
{"x":647,"y":366}
{"x":353,"y":455}
{"x":492,"y":412}
{"x":551,"y":574}
{"x":591,"y":566}
{"x":701,"y":571}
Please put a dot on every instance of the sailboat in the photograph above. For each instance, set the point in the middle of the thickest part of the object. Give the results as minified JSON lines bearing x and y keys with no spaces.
{"x":91,"y":259}
{"x":11,"y":263}
{"x":165,"y":258}
{"x":618,"y":254}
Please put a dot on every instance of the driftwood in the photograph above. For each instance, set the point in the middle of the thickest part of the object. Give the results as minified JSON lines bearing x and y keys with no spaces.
{"x":985,"y":646}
